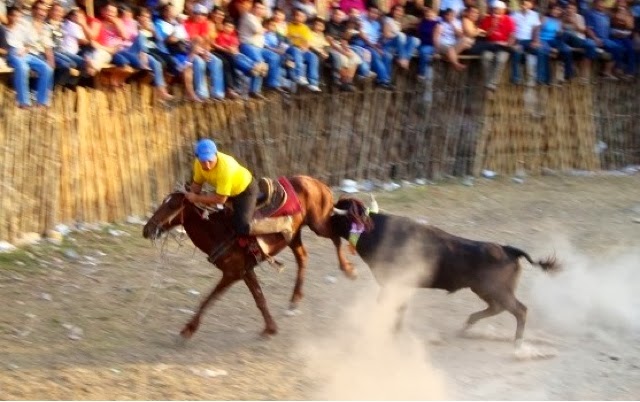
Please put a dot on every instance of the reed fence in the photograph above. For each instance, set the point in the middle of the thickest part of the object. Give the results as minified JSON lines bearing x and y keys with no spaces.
{"x":100,"y":156}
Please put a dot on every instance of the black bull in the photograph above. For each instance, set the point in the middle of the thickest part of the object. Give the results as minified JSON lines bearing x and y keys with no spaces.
{"x":444,"y":261}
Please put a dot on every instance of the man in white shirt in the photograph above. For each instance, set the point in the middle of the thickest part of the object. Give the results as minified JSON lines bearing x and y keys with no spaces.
{"x":251,"y":35}
{"x":527,"y":24}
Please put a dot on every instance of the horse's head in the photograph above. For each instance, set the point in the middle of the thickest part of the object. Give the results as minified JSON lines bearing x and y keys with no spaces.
{"x":167,"y":216}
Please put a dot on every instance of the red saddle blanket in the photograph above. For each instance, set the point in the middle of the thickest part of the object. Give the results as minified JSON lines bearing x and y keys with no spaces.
{"x":279,"y":198}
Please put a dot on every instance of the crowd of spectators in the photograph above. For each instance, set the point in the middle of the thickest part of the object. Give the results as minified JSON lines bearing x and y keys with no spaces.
{"x":222,"y":49}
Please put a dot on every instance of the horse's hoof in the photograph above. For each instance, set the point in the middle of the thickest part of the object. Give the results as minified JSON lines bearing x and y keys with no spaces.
{"x":187,"y":332}
{"x":351,"y":274}
{"x":268,"y":333}
{"x":292,"y":311}
{"x":180,"y":340}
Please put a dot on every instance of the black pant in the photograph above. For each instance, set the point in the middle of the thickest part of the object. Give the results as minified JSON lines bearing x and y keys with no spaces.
{"x":231,"y":78}
{"x":244,"y":206}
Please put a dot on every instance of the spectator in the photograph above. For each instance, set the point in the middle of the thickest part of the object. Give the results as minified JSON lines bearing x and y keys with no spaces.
{"x":394,"y":41}
{"x":227,"y":45}
{"x":622,"y":26}
{"x":369,"y":39}
{"x":300,"y":36}
{"x":449,"y":39}
{"x":251,"y":33}
{"x":319,"y":43}
{"x":349,"y":5}
{"x":343,"y":57}
{"x":306,"y":6}
{"x":216,"y":21}
{"x":527,"y":24}
{"x":41,"y":41}
{"x":65,"y":60}
{"x":475,"y":36}
{"x":426,"y":34}
{"x":457,"y":6}
{"x":4,"y":46}
{"x":599,"y":29}
{"x":90,"y":49}
{"x":499,"y":29}
{"x":172,"y":40}
{"x":280,"y":19}
{"x":551,"y":38}
{"x":197,"y":26}
{"x":136,"y":53}
{"x":574,"y":35}
{"x":23,"y":62}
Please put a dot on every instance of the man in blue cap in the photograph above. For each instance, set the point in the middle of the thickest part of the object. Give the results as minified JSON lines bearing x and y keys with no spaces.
{"x":232,"y":182}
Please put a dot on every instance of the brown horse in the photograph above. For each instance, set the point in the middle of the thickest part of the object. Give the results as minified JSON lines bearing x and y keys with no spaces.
{"x":238,"y":261}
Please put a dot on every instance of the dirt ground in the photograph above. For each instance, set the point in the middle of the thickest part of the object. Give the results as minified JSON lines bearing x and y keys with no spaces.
{"x":97,"y":317}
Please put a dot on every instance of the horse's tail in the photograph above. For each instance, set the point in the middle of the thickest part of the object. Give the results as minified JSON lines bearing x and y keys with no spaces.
{"x":549,"y":264}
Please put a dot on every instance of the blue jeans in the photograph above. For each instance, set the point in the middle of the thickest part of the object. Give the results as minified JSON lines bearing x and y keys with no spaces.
{"x":199,"y":78}
{"x":216,"y":75}
{"x":364,"y":69}
{"x":524,"y":49}
{"x":22,"y":66}
{"x":617,"y":52}
{"x":378,"y":64}
{"x":68,"y":60}
{"x":302,"y":57}
{"x":627,"y":56}
{"x":401,"y":45}
{"x":544,"y":68}
{"x":264,"y":55}
{"x":245,"y":64}
{"x":588,"y":45}
{"x":425,"y":57}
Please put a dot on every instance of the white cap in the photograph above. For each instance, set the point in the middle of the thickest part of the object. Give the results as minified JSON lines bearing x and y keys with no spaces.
{"x":499,"y":4}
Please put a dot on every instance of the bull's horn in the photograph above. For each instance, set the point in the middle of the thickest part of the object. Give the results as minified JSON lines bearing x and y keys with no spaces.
{"x":339,"y":211}
{"x":373,"y":206}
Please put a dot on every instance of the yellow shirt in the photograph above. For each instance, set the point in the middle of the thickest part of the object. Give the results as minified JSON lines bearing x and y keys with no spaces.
{"x":299,"y":34}
{"x":318,"y":41}
{"x":228,"y":177}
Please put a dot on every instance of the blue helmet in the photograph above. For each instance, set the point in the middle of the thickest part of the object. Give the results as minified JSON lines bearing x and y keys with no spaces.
{"x":206,"y":150}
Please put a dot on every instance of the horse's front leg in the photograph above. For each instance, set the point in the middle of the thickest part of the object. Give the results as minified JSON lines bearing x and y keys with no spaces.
{"x":251,"y":279}
{"x":301,"y":256}
{"x":345,"y":265}
{"x":192,"y":326}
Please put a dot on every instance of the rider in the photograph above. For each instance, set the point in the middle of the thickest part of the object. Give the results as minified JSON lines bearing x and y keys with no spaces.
{"x":232,"y":182}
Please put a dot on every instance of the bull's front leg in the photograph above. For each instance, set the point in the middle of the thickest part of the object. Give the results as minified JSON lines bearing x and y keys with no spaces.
{"x":345,"y":265}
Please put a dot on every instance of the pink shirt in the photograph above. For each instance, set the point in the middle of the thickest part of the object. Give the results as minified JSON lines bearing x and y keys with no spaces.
{"x":347,"y":5}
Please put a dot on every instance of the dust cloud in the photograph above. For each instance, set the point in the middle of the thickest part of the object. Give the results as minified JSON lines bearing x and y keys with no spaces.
{"x":592,"y":293}
{"x":362,"y":357}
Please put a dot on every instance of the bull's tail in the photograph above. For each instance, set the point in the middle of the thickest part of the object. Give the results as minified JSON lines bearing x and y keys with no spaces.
{"x":549,"y":264}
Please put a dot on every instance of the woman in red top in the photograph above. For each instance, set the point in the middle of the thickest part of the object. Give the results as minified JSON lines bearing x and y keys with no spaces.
{"x":226,"y":45}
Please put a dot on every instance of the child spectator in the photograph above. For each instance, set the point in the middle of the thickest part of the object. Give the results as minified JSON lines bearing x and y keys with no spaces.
{"x":551,"y":38}
{"x":426,"y":34}
{"x":300,"y":36}
{"x":449,"y":39}
{"x":227,"y":45}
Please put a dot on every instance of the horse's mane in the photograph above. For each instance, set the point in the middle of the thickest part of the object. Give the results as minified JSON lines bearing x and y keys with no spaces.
{"x":357,"y":212}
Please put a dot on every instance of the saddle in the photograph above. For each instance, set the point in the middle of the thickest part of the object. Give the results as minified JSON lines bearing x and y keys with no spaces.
{"x":271,"y":198}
